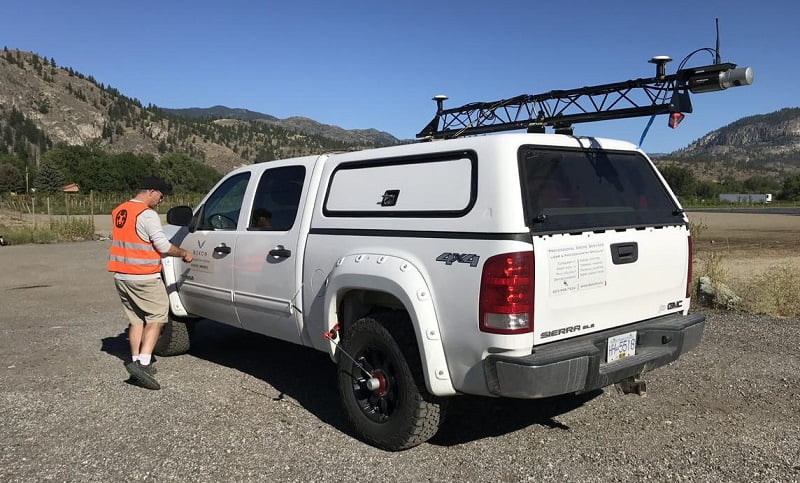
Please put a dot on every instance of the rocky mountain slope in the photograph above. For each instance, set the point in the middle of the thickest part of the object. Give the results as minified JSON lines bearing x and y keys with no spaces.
{"x":766,"y":144}
{"x":302,"y":124}
{"x":64,"y":107}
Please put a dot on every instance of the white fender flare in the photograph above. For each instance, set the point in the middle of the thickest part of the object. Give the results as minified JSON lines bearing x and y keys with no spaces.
{"x":400,"y":278}
{"x":171,"y":282}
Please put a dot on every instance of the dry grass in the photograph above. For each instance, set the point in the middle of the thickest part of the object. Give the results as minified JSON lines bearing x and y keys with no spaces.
{"x":773,"y":291}
{"x":757,"y":255}
{"x":75,"y":228}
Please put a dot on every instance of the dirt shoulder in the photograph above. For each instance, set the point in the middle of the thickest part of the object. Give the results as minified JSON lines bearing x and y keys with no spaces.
{"x":748,"y":243}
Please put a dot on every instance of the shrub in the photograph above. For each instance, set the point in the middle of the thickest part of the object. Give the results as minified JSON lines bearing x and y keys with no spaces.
{"x":70,"y":229}
{"x":774,"y":292}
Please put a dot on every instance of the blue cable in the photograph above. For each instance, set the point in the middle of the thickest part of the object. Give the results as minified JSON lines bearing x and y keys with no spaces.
{"x":647,"y":128}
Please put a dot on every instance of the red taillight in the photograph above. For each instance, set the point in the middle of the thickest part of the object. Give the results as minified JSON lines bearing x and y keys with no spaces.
{"x":506,"y":300}
{"x":689,"y":270}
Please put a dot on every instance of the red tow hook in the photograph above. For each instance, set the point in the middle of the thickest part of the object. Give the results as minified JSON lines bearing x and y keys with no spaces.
{"x":332,"y":334}
{"x":371,"y":382}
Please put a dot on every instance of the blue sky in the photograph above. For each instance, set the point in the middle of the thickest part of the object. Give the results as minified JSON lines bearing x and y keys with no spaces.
{"x":374,"y":64}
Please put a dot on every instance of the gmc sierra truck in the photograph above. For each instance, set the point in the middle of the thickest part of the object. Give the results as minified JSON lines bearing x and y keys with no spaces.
{"x":519,"y":265}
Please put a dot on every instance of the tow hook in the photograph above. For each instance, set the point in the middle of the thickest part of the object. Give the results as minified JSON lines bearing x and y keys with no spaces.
{"x":632,"y":385}
{"x":371,"y":382}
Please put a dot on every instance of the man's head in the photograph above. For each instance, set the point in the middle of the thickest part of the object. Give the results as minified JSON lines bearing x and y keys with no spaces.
{"x":152,"y":190}
{"x":262,"y":219}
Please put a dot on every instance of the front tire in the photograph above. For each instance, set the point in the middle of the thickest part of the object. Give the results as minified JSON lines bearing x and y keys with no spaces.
{"x":396,"y":412}
{"x":174,"y":339}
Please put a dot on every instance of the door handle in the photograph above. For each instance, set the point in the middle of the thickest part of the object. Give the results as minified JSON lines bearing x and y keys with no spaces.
{"x":222,"y":249}
{"x":280,"y":252}
{"x":622,"y":253}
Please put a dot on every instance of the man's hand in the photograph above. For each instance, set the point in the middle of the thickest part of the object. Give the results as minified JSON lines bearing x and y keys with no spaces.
{"x":187,"y":256}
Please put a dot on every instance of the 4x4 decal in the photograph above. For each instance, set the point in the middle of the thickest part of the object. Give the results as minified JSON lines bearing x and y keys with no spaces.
{"x":448,"y":258}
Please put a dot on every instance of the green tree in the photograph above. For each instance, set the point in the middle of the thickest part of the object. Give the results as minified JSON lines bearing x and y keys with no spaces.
{"x":50,"y":179}
{"x":791,"y":188}
{"x":186,"y":174}
{"x":129,"y":168}
{"x":10,"y":178}
{"x":761,"y":184}
{"x":706,"y":190}
{"x":732,"y":185}
{"x":83,"y":165}
{"x":680,"y":179}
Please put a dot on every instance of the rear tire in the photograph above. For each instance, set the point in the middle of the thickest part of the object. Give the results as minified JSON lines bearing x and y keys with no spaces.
{"x":174,"y":339}
{"x":400,"y":413}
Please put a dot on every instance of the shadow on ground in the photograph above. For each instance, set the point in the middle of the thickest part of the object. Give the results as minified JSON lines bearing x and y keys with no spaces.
{"x":309,"y":377}
{"x":117,"y":346}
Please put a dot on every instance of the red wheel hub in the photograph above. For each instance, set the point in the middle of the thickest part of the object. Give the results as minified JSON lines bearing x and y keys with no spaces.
{"x":382,"y":384}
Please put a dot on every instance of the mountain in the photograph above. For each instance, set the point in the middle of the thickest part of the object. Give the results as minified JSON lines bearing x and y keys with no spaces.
{"x":219,"y":112}
{"x":301,"y":124}
{"x":765,"y":144}
{"x":43,"y":105}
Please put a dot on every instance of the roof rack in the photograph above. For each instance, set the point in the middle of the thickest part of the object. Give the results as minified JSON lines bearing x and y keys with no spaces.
{"x":561,"y":109}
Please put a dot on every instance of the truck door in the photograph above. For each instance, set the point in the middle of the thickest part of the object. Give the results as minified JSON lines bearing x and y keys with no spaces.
{"x":207,"y":282}
{"x":265,"y":280}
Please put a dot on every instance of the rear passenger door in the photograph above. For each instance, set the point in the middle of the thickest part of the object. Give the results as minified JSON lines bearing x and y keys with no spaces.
{"x":207,"y":283}
{"x":265,"y":280}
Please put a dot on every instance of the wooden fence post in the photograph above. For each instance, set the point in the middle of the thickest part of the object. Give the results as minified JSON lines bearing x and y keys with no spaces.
{"x":91,"y":208}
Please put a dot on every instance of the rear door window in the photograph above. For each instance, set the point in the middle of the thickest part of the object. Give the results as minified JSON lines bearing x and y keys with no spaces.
{"x":570,"y":190}
{"x":277,"y":199}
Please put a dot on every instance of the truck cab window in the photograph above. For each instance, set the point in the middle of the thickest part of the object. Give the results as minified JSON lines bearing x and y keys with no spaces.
{"x":221,"y":210}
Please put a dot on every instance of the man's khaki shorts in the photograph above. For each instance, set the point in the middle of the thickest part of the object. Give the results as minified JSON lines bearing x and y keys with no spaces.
{"x":144,"y":301}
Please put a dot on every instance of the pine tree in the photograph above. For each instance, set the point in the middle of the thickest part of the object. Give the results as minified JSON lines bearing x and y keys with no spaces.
{"x":50,"y":179}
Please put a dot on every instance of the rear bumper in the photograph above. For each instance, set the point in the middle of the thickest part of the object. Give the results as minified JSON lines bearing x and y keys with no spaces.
{"x":578,"y":365}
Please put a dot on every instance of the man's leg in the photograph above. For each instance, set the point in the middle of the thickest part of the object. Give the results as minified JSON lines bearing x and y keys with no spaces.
{"x":152,"y":331}
{"x":135,"y":332}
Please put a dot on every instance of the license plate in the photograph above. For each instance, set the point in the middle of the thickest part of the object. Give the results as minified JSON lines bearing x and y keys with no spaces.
{"x":621,"y":346}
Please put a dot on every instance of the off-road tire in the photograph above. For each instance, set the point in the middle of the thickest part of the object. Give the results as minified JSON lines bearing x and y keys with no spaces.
{"x":174,"y":339}
{"x":407,"y":415}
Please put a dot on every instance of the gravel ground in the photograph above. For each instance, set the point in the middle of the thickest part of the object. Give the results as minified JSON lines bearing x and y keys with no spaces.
{"x":242,"y":407}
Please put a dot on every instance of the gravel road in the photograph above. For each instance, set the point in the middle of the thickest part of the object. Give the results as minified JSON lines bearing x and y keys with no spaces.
{"x":243,"y":407}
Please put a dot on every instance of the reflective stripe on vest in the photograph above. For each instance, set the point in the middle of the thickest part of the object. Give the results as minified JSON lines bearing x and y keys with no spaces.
{"x":129,"y":253}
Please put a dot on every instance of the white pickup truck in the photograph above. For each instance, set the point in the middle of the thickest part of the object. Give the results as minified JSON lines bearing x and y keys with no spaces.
{"x":509,"y":265}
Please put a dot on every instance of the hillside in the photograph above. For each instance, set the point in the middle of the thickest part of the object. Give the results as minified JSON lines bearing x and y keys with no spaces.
{"x":766,"y":144}
{"x":44,"y":105}
{"x":301,"y":124}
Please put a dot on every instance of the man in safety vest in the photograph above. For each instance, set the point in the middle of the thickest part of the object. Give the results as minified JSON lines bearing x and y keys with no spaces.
{"x":138,"y":243}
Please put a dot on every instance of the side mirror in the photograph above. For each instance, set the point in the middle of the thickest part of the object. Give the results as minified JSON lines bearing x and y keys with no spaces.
{"x":179,"y":216}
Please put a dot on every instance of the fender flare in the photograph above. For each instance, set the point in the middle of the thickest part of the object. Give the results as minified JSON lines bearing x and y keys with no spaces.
{"x":171,"y":282}
{"x":401,"y":279}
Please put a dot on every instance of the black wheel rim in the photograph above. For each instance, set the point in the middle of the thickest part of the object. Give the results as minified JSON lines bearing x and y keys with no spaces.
{"x":377,"y":404}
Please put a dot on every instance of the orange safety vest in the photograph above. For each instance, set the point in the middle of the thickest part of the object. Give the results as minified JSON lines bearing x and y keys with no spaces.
{"x":129,"y":253}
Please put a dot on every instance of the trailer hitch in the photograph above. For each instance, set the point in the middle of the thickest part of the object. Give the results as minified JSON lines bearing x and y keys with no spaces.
{"x":632,"y":385}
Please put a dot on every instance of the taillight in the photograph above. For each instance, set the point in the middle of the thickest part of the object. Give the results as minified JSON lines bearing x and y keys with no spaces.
{"x":506,"y":300}
{"x":689,"y":270}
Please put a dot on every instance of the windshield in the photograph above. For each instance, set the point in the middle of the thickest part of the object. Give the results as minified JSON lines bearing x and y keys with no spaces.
{"x":577,"y":190}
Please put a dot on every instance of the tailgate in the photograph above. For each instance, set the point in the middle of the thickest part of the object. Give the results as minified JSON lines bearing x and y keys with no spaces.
{"x":611,"y":245}
{"x":596,"y":281}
